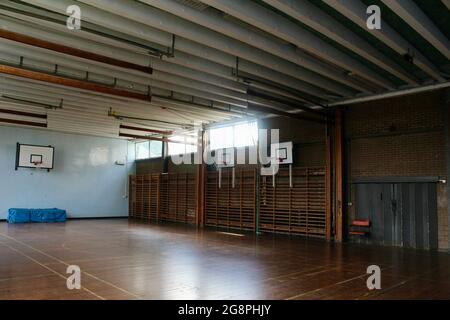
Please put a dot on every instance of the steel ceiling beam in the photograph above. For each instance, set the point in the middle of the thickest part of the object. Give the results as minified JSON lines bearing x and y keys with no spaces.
{"x":194,"y":54}
{"x":272,"y":99}
{"x":192,"y":18}
{"x":46,"y":92}
{"x":283,"y":28}
{"x":84,"y":85}
{"x":24,"y":113}
{"x":409,"y":12}
{"x":198,"y":81}
{"x":446,"y":3}
{"x":24,"y":123}
{"x":164,"y":133}
{"x":298,"y":116}
{"x":355,"y":11}
{"x":157,"y":18}
{"x":315,"y":18}
{"x":72,"y":51}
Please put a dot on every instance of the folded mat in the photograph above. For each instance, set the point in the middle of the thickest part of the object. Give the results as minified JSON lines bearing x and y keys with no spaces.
{"x":16,"y":215}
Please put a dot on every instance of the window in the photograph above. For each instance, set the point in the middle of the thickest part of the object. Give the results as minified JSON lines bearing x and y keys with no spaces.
{"x":155,"y":149}
{"x":181,"y":148}
{"x":148,"y":149}
{"x":238,"y":135}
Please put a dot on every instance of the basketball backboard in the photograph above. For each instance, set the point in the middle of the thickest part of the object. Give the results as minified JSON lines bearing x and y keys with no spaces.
{"x":32,"y":156}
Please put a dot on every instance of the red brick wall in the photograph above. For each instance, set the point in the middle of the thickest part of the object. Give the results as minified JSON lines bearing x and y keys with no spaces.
{"x":308,"y":139}
{"x":418,"y":154}
{"x":402,"y":136}
{"x":397,"y":137}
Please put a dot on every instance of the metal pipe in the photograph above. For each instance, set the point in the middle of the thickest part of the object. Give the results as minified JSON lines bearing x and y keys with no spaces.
{"x":393,"y":94}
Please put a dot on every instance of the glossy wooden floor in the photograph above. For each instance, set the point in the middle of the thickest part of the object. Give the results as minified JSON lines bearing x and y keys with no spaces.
{"x":128,"y":260}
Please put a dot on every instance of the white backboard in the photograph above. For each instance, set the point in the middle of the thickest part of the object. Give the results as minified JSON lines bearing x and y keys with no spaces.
{"x":30,"y":156}
{"x":281,"y":153}
{"x":225,"y":158}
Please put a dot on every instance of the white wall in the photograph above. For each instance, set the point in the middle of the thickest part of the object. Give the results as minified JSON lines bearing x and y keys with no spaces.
{"x":85,"y":181}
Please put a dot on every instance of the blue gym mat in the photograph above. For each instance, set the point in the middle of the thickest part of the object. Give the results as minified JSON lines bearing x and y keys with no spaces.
{"x":17,"y":215}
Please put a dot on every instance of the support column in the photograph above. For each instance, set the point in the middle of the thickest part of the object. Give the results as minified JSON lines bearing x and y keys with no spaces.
{"x":446,"y":107}
{"x":328,"y":182}
{"x":339,"y":177}
{"x":201,"y":176}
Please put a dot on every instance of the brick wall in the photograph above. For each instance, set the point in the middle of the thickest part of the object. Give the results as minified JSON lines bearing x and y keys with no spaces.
{"x":402,"y":136}
{"x":415,"y":154}
{"x":397,"y":137}
{"x":308,"y":139}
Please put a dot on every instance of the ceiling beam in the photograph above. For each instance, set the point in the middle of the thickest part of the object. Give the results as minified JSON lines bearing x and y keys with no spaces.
{"x":271,"y":100}
{"x":24,"y":123}
{"x":416,"y":19}
{"x":234,"y":31}
{"x":199,"y":83}
{"x":24,"y":113}
{"x":88,"y":103}
{"x":164,"y":133}
{"x":195,"y":32}
{"x":298,"y":116}
{"x":315,"y":18}
{"x":194,"y":55}
{"x":446,"y":3}
{"x":78,"y":84}
{"x":355,"y":11}
{"x":274,"y":24}
{"x":72,"y":51}
{"x":134,"y":136}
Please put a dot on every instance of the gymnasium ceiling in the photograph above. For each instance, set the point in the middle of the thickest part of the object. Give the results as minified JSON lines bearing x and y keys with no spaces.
{"x":170,"y":64}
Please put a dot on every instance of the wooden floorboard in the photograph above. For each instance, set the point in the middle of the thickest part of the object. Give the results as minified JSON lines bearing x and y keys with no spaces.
{"x":122,"y":259}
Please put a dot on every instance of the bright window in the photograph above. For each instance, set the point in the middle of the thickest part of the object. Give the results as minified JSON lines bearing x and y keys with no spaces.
{"x":238,"y":135}
{"x":148,"y":149}
{"x":156,"y":149}
{"x":186,"y":145}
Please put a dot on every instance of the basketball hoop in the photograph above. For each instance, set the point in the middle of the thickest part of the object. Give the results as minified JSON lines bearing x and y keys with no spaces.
{"x":36,"y":163}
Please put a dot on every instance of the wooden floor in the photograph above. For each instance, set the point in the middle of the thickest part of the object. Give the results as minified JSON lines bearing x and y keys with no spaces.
{"x":129,"y":260}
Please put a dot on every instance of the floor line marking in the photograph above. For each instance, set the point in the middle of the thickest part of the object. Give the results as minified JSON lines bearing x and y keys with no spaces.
{"x":306,"y":272}
{"x":67,"y":264}
{"x":400,"y":284}
{"x":25,"y":277}
{"x":331,"y":285}
{"x":49,"y":269}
